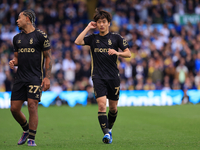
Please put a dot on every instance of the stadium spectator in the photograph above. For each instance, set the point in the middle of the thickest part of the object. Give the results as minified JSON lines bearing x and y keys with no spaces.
{"x":176,"y":85}
{"x":181,"y":71}
{"x":149,"y":85}
{"x":68,"y":67}
{"x":2,"y":75}
{"x":197,"y":62}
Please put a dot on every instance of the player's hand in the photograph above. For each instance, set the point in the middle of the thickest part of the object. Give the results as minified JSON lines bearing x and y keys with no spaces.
{"x":92,"y":25}
{"x":45,"y":84}
{"x":112,"y":52}
{"x":11,"y":64}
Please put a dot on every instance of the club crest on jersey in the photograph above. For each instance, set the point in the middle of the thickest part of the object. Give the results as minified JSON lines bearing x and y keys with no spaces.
{"x":97,"y":41}
{"x":109,"y":42}
{"x":31,"y":41}
{"x":46,"y":43}
{"x":125,"y":42}
{"x":19,"y":41}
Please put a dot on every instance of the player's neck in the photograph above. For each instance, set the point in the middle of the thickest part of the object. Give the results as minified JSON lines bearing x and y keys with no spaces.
{"x":28,"y":29}
{"x":103,"y":33}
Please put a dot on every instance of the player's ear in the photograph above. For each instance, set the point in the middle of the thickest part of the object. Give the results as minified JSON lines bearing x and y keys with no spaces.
{"x":27,"y":19}
{"x":109,"y":24}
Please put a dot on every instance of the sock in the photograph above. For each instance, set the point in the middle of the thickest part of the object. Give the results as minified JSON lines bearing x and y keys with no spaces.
{"x":25,"y":126}
{"x":103,"y":121}
{"x":111,"y":119}
{"x":31,"y":134}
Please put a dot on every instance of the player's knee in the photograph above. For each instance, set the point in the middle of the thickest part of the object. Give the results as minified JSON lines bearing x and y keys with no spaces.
{"x":102,"y":108}
{"x":113,"y":109}
{"x":32,"y":106}
{"x":14,"y":109}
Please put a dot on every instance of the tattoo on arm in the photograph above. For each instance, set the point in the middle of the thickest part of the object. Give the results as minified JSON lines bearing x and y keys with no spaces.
{"x":48,"y":63}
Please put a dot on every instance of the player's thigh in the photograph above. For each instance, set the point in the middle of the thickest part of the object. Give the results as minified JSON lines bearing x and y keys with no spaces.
{"x":100,"y":87}
{"x":102,"y":100}
{"x":113,"y":87}
{"x":19,"y":91}
{"x":34,"y":90}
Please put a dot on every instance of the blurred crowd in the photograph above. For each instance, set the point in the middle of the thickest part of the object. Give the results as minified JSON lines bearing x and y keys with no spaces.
{"x":165,"y":54}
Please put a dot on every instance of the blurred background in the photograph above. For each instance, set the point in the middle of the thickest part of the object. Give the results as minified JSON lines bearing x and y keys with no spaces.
{"x":163,"y":35}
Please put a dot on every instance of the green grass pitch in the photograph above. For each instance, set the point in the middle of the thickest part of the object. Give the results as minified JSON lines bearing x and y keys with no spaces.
{"x":136,"y":128}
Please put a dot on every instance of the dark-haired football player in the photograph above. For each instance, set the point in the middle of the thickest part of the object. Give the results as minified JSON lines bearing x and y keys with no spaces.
{"x":31,"y":51}
{"x":105,"y":74}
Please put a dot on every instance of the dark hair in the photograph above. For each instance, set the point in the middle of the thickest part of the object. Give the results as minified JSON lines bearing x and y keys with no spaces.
{"x":101,"y":14}
{"x":31,"y":15}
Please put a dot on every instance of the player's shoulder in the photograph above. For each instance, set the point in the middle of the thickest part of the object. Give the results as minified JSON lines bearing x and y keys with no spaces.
{"x":41,"y":33}
{"x":91,"y":35}
{"x":17,"y":36}
{"x":115,"y":34}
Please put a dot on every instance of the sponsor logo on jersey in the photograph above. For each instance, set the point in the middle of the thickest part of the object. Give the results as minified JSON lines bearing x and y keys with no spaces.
{"x":101,"y":50}
{"x":46,"y":43}
{"x":97,"y":41}
{"x":26,"y":50}
{"x":109,"y":42}
{"x":31,"y":41}
{"x":19,"y":41}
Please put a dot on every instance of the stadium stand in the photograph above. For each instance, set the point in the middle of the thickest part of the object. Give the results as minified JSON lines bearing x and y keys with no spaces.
{"x":165,"y":52}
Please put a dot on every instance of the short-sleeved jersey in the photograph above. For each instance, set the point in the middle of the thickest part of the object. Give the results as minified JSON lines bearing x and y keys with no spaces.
{"x":104,"y":66}
{"x":30,"y":49}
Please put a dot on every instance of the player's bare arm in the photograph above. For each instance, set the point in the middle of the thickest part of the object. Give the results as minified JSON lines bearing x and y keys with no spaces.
{"x":126,"y":53}
{"x":79,"y":40}
{"x":48,"y":65}
{"x":14,"y":61}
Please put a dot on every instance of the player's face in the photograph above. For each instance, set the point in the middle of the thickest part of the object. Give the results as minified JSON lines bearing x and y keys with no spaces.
{"x":103,"y":25}
{"x":21,"y":21}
